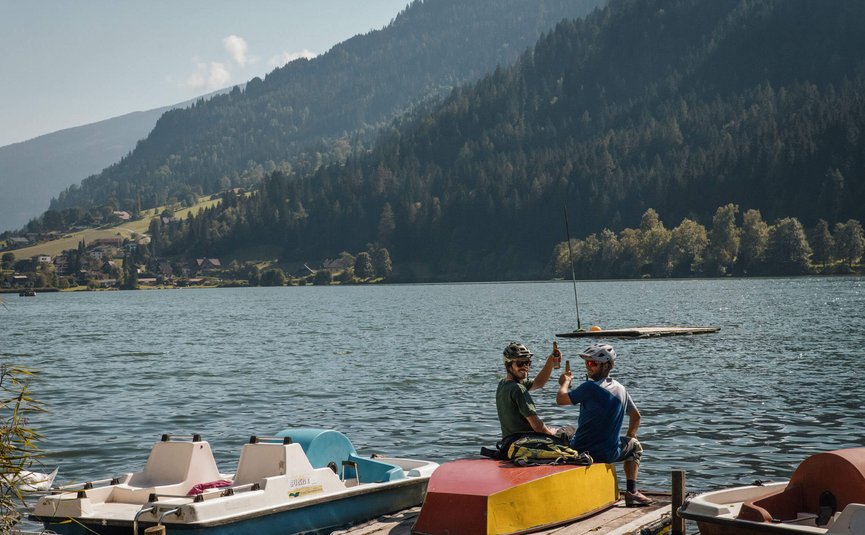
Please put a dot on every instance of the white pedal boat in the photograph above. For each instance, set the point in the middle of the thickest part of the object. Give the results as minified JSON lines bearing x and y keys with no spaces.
{"x":825,"y":495}
{"x":301,"y":481}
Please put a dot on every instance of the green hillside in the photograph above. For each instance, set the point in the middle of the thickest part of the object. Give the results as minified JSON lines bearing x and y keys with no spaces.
{"x":678,"y":105}
{"x":313,"y":111}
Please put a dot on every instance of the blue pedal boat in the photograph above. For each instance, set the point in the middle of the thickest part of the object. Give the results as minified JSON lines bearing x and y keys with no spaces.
{"x":299,"y":481}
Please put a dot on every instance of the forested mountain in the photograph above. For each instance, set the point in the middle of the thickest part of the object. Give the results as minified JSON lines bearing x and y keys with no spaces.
{"x":298,"y":112}
{"x":33,"y":171}
{"x":677,"y":105}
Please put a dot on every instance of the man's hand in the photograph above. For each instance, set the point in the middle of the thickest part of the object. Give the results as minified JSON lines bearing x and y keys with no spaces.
{"x":562,"y":396}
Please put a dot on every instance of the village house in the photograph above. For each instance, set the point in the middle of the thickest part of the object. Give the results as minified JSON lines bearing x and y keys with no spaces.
{"x":17,"y":241}
{"x":340,"y":264}
{"x":102,"y":252}
{"x":16,"y":280}
{"x":206,"y":265}
{"x":41,"y":259}
{"x":62,"y":263}
{"x":166,"y":270}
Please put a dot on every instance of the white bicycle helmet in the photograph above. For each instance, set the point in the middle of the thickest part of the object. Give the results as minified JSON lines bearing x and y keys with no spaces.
{"x":600,"y":353}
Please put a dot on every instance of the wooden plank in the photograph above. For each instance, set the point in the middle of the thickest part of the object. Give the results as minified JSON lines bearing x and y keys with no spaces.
{"x":618,"y":520}
{"x":394,"y":524}
{"x":640,"y":332}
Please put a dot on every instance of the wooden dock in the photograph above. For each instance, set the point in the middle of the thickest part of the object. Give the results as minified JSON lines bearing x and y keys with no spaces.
{"x":640,"y":332}
{"x":618,"y":520}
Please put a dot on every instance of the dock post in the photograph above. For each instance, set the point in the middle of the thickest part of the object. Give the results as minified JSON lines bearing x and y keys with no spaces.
{"x":678,"y":523}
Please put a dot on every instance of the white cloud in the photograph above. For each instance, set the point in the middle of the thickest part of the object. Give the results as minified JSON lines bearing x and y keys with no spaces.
{"x":281,"y":59}
{"x":208,"y":77}
{"x":236,"y":48}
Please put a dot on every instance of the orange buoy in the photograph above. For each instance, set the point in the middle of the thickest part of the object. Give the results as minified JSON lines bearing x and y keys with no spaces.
{"x":595,"y":328}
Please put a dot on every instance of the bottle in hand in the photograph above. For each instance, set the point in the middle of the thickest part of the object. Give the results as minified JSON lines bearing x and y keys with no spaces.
{"x":557,"y":356}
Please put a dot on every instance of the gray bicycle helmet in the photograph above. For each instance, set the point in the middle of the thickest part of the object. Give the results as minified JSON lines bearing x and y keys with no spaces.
{"x":600,"y":353}
{"x":516,"y":350}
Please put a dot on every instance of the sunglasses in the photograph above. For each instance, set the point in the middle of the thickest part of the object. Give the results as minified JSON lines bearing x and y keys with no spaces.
{"x":592,"y":363}
{"x":522,"y":363}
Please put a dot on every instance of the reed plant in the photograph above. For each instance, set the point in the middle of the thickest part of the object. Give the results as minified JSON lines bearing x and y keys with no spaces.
{"x":18,"y":441}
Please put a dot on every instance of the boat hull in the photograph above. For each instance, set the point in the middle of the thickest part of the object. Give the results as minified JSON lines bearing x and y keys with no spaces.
{"x":825,"y":495}
{"x":483,"y":496}
{"x":732,"y":528}
{"x":275,"y":490}
{"x":320,"y":517}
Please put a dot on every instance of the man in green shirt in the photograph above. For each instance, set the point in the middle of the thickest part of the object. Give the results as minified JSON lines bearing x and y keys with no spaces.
{"x":514,"y":404}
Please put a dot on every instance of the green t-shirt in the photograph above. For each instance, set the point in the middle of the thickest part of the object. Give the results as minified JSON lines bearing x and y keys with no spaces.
{"x":514,"y":405}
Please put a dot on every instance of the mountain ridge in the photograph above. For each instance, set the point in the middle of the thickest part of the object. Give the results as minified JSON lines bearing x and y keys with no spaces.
{"x":37,"y":169}
{"x":594,"y":120}
{"x":298,"y":115}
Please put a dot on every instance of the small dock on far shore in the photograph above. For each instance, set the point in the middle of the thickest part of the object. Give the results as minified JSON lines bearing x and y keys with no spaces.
{"x":618,"y":520}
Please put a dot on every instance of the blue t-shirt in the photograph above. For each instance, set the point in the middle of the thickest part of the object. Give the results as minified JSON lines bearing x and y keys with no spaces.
{"x":603,"y":405}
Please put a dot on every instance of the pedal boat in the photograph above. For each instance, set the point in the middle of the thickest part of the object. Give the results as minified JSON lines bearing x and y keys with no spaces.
{"x":301,"y":481}
{"x":486,"y":496}
{"x":825,"y":495}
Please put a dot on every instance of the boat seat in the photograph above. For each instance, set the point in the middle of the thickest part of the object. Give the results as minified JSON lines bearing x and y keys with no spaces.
{"x":261,"y":460}
{"x":367,"y":470}
{"x":172,"y":468}
{"x":172,"y":463}
{"x":822,"y":485}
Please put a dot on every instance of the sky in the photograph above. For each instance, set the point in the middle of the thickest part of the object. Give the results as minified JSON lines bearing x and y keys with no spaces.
{"x":66,"y":63}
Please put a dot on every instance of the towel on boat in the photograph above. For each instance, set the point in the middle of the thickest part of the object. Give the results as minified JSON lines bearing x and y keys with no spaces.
{"x":201,"y":487}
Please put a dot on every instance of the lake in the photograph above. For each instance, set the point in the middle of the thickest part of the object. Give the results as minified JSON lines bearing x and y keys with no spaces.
{"x":411,"y":370}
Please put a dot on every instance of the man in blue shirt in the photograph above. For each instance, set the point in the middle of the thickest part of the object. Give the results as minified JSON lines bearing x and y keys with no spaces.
{"x":603,"y":404}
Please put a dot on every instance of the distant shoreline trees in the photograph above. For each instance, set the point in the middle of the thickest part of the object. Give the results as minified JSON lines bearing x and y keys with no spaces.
{"x":754,"y":248}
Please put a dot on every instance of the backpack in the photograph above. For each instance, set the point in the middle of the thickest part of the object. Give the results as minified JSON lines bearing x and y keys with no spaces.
{"x":544,"y":449}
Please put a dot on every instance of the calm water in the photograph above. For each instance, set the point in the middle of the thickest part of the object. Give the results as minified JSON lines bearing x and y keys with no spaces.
{"x":412,"y":370}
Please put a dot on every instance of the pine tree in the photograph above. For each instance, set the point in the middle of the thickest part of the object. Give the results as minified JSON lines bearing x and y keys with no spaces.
{"x":822,"y":243}
{"x":788,"y":251}
{"x":849,"y":241}
{"x":755,"y":240}
{"x":363,"y":267}
{"x":724,"y":240}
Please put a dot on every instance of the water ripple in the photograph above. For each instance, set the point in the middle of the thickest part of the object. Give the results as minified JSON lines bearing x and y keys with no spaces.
{"x":412,"y":370}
